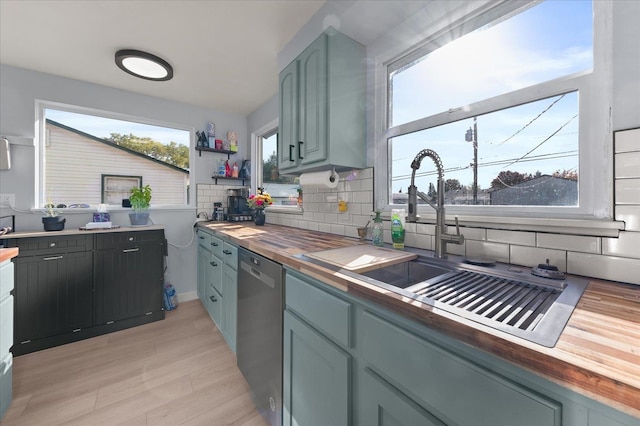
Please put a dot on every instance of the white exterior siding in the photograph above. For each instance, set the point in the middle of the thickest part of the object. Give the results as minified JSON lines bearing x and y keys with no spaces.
{"x":73,"y":177}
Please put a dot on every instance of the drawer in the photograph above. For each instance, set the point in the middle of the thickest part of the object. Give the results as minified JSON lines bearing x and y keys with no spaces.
{"x":324,"y":311}
{"x":439,"y":380}
{"x":216,"y":246}
{"x":129,"y":238}
{"x":204,"y":239}
{"x":54,"y":244}
{"x":6,"y":278}
{"x":230,"y":255}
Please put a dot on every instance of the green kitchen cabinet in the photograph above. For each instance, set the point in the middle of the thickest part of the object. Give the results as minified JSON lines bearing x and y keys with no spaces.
{"x":317,"y":377}
{"x":218,"y":282}
{"x":373,"y":366}
{"x":322,"y":107}
{"x":384,"y":405}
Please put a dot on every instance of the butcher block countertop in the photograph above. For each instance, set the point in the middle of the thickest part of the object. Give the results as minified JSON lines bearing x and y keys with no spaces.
{"x":8,"y":253}
{"x":597,"y":355}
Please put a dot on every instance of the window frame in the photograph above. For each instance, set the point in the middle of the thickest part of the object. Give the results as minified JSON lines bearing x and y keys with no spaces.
{"x":593,"y":86}
{"x":257,"y":136}
{"x":42,"y":138}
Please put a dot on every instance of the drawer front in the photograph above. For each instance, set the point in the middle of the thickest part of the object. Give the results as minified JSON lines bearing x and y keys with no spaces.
{"x":54,"y":244}
{"x":439,"y":380}
{"x":216,"y":245}
{"x":230,"y":255}
{"x":125,"y":239}
{"x":204,"y":239}
{"x":6,"y":278}
{"x":326,"y":312}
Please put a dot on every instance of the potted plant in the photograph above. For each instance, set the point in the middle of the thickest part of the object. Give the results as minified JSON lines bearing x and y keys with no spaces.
{"x":140,"y":198}
{"x":52,"y":221}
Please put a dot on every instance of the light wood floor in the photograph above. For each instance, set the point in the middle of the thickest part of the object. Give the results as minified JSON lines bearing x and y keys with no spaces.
{"x":178,"y":371}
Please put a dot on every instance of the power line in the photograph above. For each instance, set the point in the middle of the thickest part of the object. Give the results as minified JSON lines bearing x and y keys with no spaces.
{"x":534,"y":119}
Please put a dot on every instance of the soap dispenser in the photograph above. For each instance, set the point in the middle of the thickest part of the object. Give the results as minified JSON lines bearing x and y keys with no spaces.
{"x":376,"y":232}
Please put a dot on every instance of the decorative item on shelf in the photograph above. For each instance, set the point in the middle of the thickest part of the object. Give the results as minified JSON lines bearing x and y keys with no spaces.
{"x":257,"y":203}
{"x":140,"y":199}
{"x":218,"y":144}
{"x":235,"y":170}
{"x":52,"y":221}
{"x":227,"y":169}
{"x":203,"y":141}
{"x":211,"y":133}
{"x":232,"y":137}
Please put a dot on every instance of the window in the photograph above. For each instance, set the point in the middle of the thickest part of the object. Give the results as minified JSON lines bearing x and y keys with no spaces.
{"x":282,"y":188}
{"x":93,"y":159}
{"x":507,"y":98}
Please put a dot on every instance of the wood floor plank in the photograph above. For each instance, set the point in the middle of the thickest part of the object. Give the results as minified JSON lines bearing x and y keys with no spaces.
{"x":171,"y":372}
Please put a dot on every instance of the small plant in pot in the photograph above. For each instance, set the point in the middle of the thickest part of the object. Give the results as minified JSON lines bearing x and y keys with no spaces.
{"x":52,"y":221}
{"x":140,"y":198}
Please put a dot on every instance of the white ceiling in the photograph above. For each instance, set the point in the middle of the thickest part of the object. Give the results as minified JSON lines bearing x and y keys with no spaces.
{"x":224,"y":53}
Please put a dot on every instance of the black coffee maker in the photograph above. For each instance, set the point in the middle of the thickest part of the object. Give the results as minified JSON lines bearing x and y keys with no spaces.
{"x":237,"y":209}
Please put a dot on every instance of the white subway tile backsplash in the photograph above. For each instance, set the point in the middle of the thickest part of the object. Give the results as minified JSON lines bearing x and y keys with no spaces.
{"x":570,"y":242}
{"x":337,"y":229}
{"x":627,"y":191}
{"x":604,"y":267}
{"x":627,"y":140}
{"x":479,"y":234}
{"x":424,"y":228}
{"x":512,"y":237}
{"x":626,"y":245}
{"x":324,"y":227}
{"x":424,"y":242}
{"x":483,"y":249}
{"x":630,"y":215}
{"x":627,"y":165}
{"x":532,"y":256}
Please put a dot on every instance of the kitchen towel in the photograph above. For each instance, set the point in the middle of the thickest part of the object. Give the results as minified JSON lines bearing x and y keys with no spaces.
{"x":328,"y":179}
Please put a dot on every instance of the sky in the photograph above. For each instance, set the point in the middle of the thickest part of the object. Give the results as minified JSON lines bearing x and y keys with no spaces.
{"x":103,"y":127}
{"x":547,"y":41}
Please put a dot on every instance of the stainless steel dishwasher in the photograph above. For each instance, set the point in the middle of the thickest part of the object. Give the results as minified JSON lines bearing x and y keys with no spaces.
{"x":259,"y":339}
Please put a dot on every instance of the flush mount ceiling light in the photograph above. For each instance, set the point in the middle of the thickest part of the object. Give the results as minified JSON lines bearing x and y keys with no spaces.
{"x":144,"y":65}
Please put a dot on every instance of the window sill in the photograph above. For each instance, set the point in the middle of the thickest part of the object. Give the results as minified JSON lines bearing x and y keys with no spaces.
{"x":285,"y":209}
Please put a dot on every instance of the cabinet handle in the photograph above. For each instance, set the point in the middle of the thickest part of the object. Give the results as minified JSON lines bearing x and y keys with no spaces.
{"x":130,"y":238}
{"x":52,"y":244}
{"x":213,"y":299}
{"x":226,"y":251}
{"x":213,"y":264}
{"x":76,"y":330}
{"x":201,"y":237}
{"x":300,"y":143}
{"x":130,"y":250}
{"x":214,"y":244}
{"x":53,"y":258}
{"x":291,"y":152}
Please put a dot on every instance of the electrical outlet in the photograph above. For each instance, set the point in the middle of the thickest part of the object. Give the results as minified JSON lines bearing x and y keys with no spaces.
{"x":8,"y":200}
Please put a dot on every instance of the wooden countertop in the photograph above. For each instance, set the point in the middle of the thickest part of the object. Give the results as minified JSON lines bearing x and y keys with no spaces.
{"x":597,"y":355}
{"x":8,"y":253}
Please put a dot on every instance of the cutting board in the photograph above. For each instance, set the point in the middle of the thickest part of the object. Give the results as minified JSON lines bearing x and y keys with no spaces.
{"x":362,"y":258}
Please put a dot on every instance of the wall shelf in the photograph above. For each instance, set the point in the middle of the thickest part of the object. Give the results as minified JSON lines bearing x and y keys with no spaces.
{"x":219,"y":151}
{"x":215,"y":178}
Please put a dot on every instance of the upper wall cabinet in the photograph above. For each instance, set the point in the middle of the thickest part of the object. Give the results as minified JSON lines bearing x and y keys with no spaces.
{"x":322,"y":107}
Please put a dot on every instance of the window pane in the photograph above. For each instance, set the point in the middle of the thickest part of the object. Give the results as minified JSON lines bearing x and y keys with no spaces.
{"x":81,"y":149}
{"x":283,"y":189}
{"x":526,"y":155}
{"x":550,"y":40}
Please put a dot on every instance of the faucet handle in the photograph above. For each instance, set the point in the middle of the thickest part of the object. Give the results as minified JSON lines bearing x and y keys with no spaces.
{"x":457,"y":226}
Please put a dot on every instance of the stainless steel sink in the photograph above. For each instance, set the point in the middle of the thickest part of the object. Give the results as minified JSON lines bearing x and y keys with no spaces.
{"x":502,"y":297}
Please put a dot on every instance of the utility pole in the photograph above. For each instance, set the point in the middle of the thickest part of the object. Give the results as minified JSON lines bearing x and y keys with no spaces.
{"x":472,"y":136}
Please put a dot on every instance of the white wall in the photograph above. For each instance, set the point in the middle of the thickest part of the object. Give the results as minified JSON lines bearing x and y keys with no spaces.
{"x":21,"y":88}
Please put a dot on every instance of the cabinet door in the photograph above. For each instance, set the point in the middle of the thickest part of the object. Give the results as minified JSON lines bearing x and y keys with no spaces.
{"x":53,"y":295}
{"x":215,"y":306}
{"x":312,"y":119}
{"x":216,"y":276}
{"x":317,"y":378}
{"x":383,"y":405}
{"x":230,"y":311}
{"x":288,"y":126}
{"x":128,"y":282}
{"x":204,"y":257}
